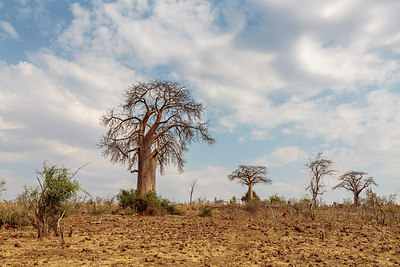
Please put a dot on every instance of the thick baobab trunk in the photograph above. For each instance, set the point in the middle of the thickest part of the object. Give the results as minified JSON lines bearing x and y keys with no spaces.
{"x":250,"y":193}
{"x":145,"y":171}
{"x":147,"y":168}
{"x":356,"y":199}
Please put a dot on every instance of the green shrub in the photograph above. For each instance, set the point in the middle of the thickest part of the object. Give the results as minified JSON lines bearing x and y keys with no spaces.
{"x":47,"y":203}
{"x":127,"y":198}
{"x":148,"y":204}
{"x":306,"y":200}
{"x":255,"y":197}
{"x":275,"y":199}
{"x":233,"y":200}
{"x":170,"y":208}
{"x":206,"y":211}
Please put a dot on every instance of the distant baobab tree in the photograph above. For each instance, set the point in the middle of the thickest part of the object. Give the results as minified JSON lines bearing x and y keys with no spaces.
{"x":250,"y":175}
{"x":155,"y":125}
{"x":319,"y":168}
{"x":355,"y":182}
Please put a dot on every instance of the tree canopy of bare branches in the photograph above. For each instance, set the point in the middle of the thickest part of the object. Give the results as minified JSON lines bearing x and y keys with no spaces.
{"x":250,"y":175}
{"x":355,"y":182}
{"x":319,"y":168}
{"x":153,"y":127}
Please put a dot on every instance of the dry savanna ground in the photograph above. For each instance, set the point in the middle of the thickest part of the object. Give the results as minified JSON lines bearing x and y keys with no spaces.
{"x":232,"y":236}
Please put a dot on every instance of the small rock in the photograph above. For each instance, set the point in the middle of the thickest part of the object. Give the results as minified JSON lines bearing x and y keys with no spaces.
{"x":298,"y":229}
{"x":148,"y":259}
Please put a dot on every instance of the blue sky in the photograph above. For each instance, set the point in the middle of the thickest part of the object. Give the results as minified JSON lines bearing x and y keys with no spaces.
{"x":281,"y":81}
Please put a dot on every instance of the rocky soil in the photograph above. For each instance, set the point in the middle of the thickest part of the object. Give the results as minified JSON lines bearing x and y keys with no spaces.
{"x":231,"y":237}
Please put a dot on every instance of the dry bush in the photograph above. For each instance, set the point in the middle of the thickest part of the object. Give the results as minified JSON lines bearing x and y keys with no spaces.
{"x":383,"y":210}
{"x":206,"y":211}
{"x":233,"y":211}
{"x":12,"y":213}
{"x":92,"y":206}
{"x":202,"y":201}
{"x":254,"y":207}
{"x":77,"y":205}
{"x":392,"y":212}
{"x":101,"y":206}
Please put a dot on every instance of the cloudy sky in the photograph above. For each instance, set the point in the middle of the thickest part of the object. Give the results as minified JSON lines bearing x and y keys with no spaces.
{"x":281,"y":80}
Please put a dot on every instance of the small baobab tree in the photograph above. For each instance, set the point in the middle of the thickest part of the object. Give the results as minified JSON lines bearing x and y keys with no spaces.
{"x":319,"y":168}
{"x":153,"y":127}
{"x":250,"y":175}
{"x":355,"y":182}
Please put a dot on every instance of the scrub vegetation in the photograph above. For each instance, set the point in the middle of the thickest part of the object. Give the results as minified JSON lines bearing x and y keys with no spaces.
{"x":271,"y":232}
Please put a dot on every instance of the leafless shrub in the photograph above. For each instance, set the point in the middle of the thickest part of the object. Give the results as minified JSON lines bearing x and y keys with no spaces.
{"x":218,"y":201}
{"x":193,"y":186}
{"x":233,"y":210}
{"x":254,"y":207}
{"x":13,"y":213}
{"x":202,"y":201}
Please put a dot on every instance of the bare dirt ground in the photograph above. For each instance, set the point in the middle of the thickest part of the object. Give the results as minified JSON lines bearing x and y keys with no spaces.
{"x":231,"y":237}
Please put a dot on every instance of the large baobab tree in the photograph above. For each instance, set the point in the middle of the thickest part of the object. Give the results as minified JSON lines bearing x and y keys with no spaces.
{"x":250,"y":175}
{"x":319,"y":168}
{"x":355,"y":182}
{"x":153,"y":127}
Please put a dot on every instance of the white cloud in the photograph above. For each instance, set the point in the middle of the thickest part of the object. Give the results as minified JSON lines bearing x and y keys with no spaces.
{"x":50,"y":110}
{"x":336,"y":9}
{"x":282,"y":156}
{"x":349,"y":66}
{"x":74,"y":36}
{"x":8,"y":31}
{"x":326,"y":72}
{"x":8,"y":125}
{"x":228,"y":75}
{"x":13,"y":157}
